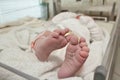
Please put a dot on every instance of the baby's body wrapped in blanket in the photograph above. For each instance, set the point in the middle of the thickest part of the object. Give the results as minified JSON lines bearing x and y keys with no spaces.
{"x":15,"y":48}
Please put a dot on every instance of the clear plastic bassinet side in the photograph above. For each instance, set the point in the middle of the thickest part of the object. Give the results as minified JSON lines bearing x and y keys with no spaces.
{"x":105,"y":70}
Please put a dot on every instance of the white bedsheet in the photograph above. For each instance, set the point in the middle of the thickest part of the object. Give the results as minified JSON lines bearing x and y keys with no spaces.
{"x":15,"y":51}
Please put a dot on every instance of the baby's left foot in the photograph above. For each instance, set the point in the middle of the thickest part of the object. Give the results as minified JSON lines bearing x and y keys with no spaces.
{"x":48,"y":42}
{"x":76,"y":55}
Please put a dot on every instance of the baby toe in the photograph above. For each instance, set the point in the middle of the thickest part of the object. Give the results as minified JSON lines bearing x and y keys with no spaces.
{"x":82,"y":39}
{"x":66,"y":30}
{"x":54,"y":35}
{"x":60,"y":31}
{"x":74,"y":40}
{"x":85,"y":48}
{"x":82,"y":44}
{"x":84,"y":54}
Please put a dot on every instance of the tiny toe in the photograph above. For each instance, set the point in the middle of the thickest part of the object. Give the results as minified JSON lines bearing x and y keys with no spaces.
{"x":68,"y":37}
{"x":60,"y":31}
{"x":85,"y":49}
{"x":82,"y":39}
{"x":57,"y":31}
{"x":83,"y":54}
{"x":55,"y":35}
{"x":74,"y":40}
{"x":82,"y":44}
{"x":66,"y":30}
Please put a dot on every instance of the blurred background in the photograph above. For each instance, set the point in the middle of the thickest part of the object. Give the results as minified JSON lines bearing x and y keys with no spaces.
{"x":46,"y":9}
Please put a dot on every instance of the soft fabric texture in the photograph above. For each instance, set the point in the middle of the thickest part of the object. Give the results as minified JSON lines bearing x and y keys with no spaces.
{"x":15,"y":51}
{"x":63,"y":16}
{"x":86,"y":21}
{"x":95,"y":31}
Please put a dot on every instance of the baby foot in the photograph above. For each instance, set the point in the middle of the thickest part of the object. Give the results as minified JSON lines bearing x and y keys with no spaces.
{"x":76,"y":54}
{"x":49,"y":41}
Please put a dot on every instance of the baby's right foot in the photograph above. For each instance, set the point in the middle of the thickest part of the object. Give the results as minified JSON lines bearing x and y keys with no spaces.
{"x":49,"y":41}
{"x":76,"y":55}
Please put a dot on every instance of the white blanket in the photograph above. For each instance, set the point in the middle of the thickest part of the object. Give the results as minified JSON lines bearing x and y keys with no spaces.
{"x":15,"y":51}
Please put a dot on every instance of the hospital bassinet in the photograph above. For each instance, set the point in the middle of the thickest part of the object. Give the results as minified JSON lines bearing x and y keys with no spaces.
{"x":102,"y":72}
